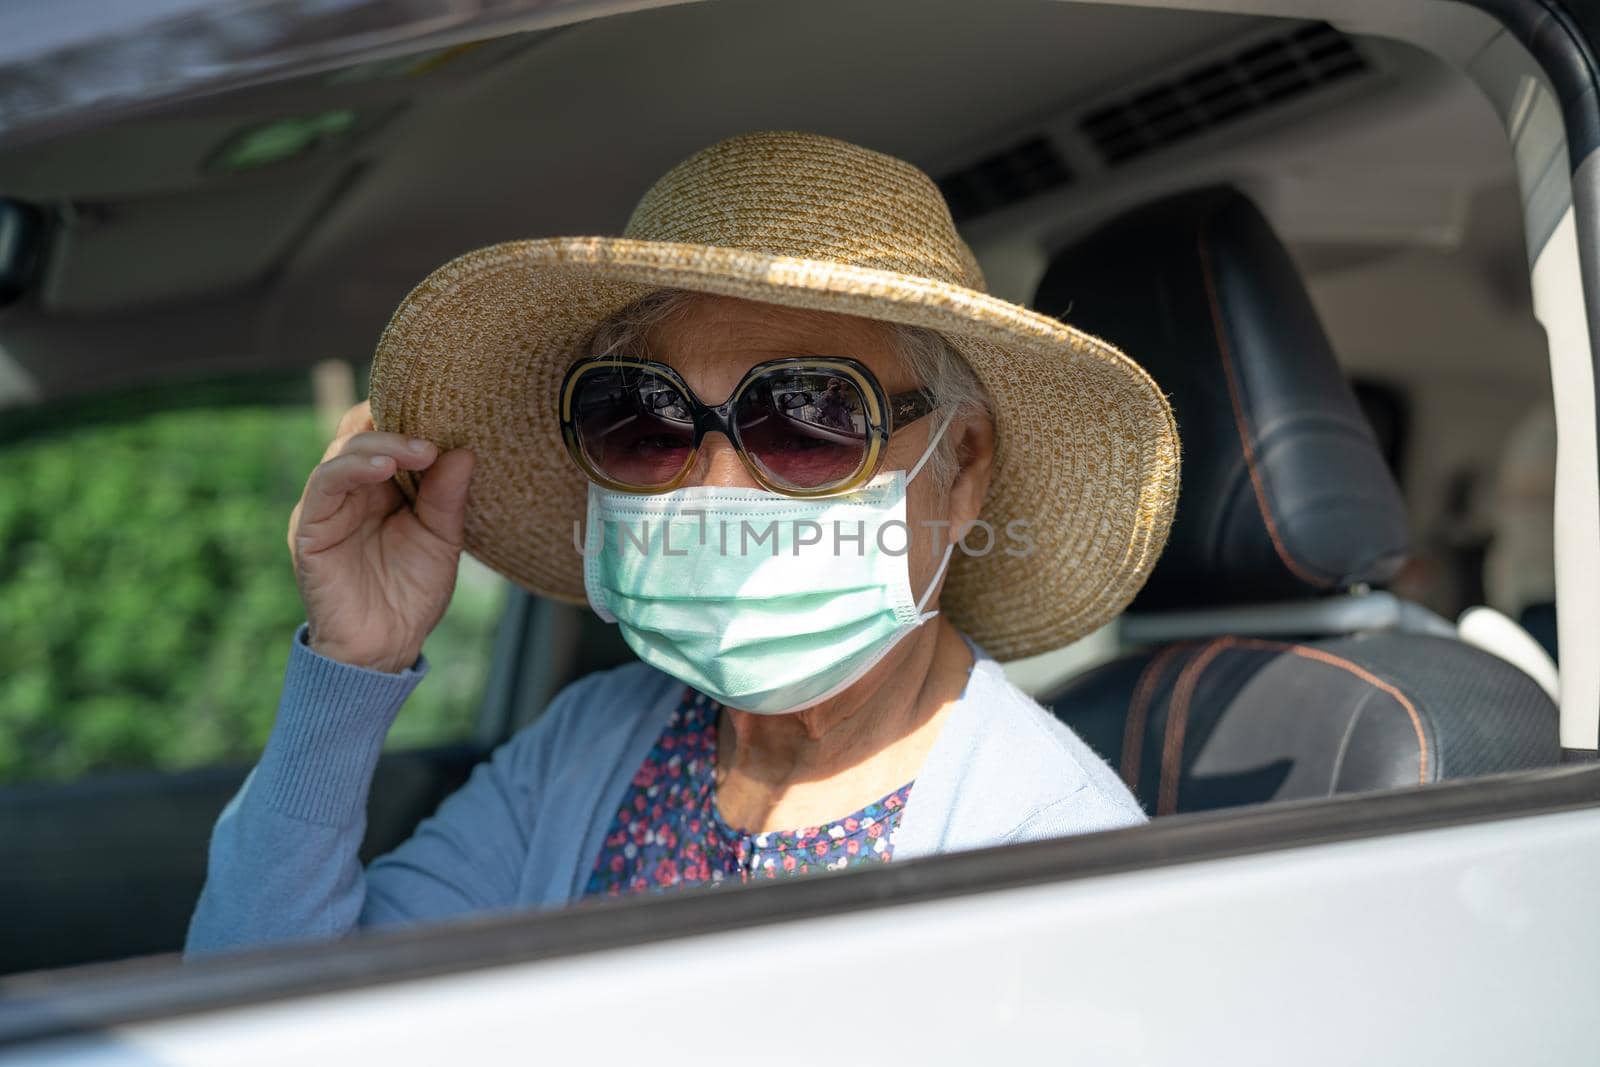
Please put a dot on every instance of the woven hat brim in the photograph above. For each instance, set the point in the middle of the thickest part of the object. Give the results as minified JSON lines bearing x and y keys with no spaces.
{"x":1086,"y":446}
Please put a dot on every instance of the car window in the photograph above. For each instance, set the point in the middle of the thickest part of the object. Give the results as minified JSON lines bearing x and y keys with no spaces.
{"x":146,"y":590}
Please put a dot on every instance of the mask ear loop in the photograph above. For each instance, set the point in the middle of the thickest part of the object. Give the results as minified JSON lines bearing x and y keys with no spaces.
{"x":933,"y":443}
{"x":933,"y":583}
{"x":950,"y":549}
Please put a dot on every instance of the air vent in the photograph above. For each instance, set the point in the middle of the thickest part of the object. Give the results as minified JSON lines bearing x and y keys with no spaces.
{"x":1259,"y":77}
{"x":1003,"y":179}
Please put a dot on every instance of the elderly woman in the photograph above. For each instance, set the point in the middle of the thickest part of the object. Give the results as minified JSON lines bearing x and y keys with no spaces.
{"x":780,"y":435}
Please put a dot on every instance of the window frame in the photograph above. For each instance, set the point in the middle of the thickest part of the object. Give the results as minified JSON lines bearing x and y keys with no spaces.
{"x":101,"y":996}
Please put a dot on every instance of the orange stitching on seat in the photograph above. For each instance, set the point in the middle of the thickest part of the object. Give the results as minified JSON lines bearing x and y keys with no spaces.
{"x":1139,"y":714}
{"x":1177,"y":721}
{"x":1328,"y":658}
{"x":1242,"y":425}
{"x":1371,"y":679}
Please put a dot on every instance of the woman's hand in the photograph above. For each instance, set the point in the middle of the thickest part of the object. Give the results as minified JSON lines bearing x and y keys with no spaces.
{"x":376,"y":573}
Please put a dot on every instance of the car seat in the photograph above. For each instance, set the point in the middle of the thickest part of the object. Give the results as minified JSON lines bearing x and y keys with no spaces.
{"x":1271,"y":664}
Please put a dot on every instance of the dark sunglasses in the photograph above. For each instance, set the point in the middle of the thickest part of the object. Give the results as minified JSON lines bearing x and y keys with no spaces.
{"x":803,"y":426}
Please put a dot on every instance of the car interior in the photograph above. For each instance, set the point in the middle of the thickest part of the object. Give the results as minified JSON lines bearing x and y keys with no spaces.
{"x":1290,"y":505}
{"x":1311,"y":238}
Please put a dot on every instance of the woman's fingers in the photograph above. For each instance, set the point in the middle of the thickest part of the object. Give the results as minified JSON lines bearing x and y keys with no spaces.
{"x":442,"y":498}
{"x":409,"y":452}
{"x":331,"y":484}
{"x":360,"y":457}
{"x":371,"y":459}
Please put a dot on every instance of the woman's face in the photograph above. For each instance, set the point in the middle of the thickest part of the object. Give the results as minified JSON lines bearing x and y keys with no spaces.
{"x":713,"y":341}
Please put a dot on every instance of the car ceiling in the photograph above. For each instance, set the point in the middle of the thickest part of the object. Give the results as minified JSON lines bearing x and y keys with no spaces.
{"x":1395,"y":190}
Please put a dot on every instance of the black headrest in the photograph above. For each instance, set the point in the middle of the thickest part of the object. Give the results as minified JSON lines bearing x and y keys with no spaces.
{"x":1285,"y":492}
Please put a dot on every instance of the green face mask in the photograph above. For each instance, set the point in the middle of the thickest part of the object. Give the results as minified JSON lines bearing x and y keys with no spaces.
{"x":763,"y":602}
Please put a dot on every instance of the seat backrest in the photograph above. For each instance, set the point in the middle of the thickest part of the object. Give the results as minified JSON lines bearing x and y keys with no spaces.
{"x":1285,"y":492}
{"x":1285,"y":498}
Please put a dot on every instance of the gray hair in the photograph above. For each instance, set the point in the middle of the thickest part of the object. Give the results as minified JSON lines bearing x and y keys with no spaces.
{"x":930,"y":359}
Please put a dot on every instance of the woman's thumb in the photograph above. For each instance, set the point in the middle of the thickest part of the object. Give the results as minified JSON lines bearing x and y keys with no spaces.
{"x":441,"y":505}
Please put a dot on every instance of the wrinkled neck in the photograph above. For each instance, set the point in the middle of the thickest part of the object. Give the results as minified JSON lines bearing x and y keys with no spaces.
{"x":871,"y":735}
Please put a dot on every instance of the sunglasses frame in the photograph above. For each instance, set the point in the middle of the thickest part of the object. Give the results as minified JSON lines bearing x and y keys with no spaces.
{"x":885,"y":414}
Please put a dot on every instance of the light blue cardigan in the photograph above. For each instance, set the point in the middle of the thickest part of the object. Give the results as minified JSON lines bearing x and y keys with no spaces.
{"x":526,"y":827}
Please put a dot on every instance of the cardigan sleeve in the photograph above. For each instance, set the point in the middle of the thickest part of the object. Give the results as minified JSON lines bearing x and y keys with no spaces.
{"x":283,"y":859}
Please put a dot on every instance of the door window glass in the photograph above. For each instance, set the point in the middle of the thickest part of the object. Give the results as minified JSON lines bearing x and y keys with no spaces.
{"x":147,"y":598}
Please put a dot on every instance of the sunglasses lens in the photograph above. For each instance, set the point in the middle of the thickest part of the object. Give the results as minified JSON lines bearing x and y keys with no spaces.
{"x":805,"y":429}
{"x":633,"y":425}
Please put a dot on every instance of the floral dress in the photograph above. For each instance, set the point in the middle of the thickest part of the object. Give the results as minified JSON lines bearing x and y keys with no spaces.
{"x":667,"y":831}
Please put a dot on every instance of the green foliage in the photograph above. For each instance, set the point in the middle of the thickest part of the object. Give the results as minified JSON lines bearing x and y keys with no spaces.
{"x":147,"y":599}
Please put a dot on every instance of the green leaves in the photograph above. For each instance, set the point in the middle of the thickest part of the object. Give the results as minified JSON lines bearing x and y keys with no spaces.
{"x":147,"y":598}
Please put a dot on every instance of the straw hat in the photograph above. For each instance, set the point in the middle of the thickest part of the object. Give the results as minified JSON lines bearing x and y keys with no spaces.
{"x":1086,"y":450}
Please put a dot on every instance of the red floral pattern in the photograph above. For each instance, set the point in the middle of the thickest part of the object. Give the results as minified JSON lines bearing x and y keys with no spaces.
{"x":667,"y":831}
